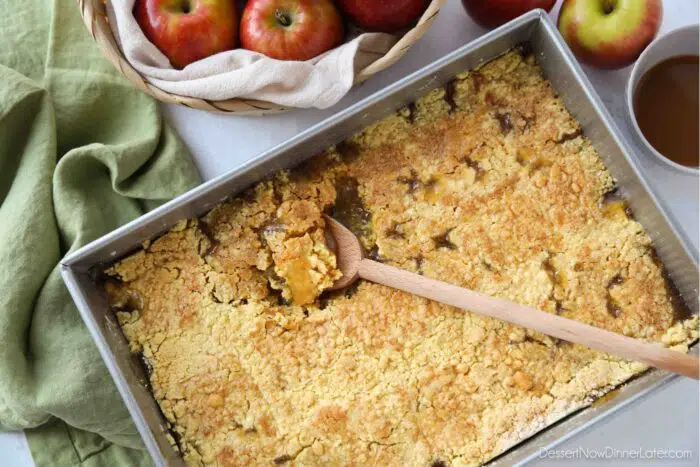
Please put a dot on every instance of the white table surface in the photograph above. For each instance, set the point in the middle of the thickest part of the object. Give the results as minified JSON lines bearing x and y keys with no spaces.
{"x":665,"y":419}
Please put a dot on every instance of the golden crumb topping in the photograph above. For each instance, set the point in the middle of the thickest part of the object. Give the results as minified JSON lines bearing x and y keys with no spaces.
{"x":488,"y":183}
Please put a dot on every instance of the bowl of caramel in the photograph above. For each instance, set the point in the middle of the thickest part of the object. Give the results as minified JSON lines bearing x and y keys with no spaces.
{"x":662,"y":99}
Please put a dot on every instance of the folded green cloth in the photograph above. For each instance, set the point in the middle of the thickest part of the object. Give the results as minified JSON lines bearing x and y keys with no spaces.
{"x":81,"y":152}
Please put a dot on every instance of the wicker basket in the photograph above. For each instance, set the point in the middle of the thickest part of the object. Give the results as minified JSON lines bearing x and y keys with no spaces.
{"x":95,"y":18}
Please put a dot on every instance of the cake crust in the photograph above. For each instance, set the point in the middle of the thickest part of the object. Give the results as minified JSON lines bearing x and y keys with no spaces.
{"x":488,"y":184}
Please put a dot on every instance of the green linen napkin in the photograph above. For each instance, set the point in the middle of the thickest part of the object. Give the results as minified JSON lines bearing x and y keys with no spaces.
{"x":81,"y":152}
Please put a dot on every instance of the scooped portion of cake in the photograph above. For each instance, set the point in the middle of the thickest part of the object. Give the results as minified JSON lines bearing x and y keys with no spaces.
{"x":488,"y":184}
{"x":267,"y":245}
{"x":302,"y":264}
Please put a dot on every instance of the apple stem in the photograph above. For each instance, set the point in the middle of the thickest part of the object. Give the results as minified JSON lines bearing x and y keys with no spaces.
{"x":283,"y":18}
{"x":609,"y":6}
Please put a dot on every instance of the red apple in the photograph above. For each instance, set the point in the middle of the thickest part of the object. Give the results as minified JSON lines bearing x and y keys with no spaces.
{"x":383,"y":15}
{"x":291,"y":29}
{"x":188,"y":30}
{"x":493,"y":13}
{"x":609,"y":33}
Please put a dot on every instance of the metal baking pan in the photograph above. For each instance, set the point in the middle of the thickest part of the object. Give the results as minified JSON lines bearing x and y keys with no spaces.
{"x":569,"y":81}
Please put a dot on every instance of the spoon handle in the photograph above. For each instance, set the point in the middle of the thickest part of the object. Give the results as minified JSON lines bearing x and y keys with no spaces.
{"x":651,"y":354}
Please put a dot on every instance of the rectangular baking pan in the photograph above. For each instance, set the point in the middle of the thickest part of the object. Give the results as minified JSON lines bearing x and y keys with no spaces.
{"x":562,"y":70}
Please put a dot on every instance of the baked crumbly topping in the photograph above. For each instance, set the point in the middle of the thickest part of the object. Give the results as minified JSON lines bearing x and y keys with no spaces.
{"x":488,"y":184}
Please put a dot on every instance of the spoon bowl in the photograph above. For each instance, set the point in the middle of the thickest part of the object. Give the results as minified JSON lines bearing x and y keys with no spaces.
{"x":348,"y":251}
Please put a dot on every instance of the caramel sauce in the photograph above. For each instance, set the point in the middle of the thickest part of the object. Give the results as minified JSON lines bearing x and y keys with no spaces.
{"x":412,"y":111}
{"x":666,"y":108}
{"x":681,"y":311}
{"x":413,"y":183}
{"x":617,"y":209}
{"x":450,"y":91}
{"x":443,"y":241}
{"x":349,"y":209}
{"x":122,"y":298}
{"x":435,"y":190}
{"x":607,"y":397}
{"x":474,"y":165}
{"x":505,"y":122}
{"x":556,"y":277}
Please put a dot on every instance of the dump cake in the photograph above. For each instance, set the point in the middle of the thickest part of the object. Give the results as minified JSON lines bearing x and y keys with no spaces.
{"x":488,"y":183}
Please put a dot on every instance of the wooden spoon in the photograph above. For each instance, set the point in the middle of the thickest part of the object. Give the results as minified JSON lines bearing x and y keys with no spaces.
{"x":353,"y":265}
